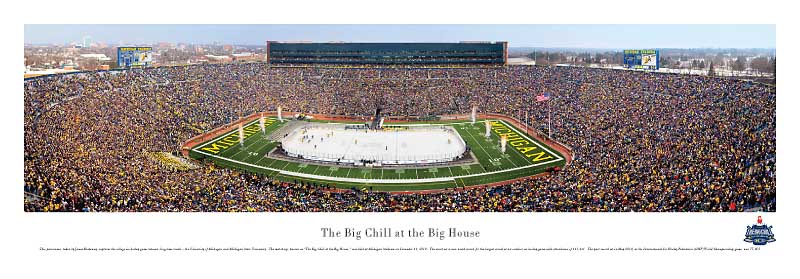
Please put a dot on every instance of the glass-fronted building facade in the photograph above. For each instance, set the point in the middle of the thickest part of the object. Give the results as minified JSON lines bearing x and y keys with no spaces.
{"x":387,"y":53}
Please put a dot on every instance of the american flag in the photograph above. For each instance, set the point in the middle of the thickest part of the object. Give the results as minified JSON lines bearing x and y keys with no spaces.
{"x":543,"y":97}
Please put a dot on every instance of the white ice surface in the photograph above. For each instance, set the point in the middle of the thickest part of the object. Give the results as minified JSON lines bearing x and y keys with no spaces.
{"x":331,"y":142}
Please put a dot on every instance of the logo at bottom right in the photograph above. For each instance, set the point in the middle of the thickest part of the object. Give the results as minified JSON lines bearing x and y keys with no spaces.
{"x":759,"y":234}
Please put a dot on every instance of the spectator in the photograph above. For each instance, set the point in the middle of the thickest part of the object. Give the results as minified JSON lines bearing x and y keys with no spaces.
{"x":643,"y":141}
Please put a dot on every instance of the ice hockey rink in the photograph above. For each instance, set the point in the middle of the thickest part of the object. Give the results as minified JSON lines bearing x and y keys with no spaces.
{"x":407,"y":145}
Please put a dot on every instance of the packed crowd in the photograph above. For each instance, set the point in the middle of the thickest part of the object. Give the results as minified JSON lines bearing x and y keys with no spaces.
{"x":642,"y":141}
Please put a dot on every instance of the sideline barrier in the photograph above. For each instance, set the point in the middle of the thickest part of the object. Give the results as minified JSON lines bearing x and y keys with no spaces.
{"x":560,"y":147}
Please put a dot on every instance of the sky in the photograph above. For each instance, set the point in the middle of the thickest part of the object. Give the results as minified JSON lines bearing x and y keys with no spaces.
{"x":538,"y":35}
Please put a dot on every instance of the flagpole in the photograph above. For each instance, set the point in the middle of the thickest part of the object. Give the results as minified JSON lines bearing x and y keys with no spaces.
{"x":549,"y":128}
{"x":527,"y":121}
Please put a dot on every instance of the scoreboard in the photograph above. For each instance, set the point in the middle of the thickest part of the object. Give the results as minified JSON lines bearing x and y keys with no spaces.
{"x":645,"y":59}
{"x":134,"y":56}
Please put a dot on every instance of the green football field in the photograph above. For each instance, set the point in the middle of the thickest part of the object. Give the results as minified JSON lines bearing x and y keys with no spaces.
{"x":524,"y":156}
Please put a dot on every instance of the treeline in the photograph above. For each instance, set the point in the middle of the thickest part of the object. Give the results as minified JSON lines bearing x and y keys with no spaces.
{"x":749,"y":60}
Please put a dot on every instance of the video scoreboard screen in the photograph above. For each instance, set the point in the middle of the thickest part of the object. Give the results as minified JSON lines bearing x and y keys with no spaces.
{"x":134,"y":56}
{"x":646,"y":59}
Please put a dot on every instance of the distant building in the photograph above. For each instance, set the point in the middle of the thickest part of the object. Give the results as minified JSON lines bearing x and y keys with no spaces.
{"x":197,"y":60}
{"x":87,"y":41}
{"x":246,"y":56}
{"x":521,"y":61}
{"x":96,"y":56}
{"x":43,"y":72}
{"x":691,"y":62}
{"x":218,"y":58}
